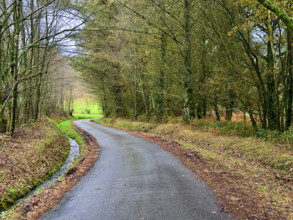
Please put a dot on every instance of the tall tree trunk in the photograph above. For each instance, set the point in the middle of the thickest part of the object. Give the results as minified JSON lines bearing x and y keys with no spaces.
{"x":2,"y":90}
{"x":290,"y":79}
{"x":40,"y":69}
{"x":160,"y":100}
{"x":118,"y":101}
{"x":199,"y":110}
{"x":104,"y":100}
{"x":202,"y":105}
{"x":14,"y":66}
{"x":253,"y":122}
{"x":24,"y":67}
{"x":216,"y":109}
{"x":189,"y":105}
{"x":135,"y":93}
{"x":144,"y":99}
{"x":135,"y":103}
{"x":262,"y":106}
{"x":229,"y":105}
{"x":38,"y":97}
{"x":271,"y":90}
{"x":117,"y":92}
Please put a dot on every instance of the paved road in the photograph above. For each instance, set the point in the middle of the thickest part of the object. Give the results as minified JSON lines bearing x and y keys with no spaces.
{"x":135,"y":179}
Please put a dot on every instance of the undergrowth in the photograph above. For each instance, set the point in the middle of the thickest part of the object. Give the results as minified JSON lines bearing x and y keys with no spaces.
{"x":227,"y":128}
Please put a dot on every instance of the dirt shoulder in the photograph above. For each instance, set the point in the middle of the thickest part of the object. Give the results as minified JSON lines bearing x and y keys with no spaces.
{"x":45,"y":200}
{"x":246,"y":188}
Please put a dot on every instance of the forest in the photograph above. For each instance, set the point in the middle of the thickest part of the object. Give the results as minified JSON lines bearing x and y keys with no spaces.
{"x":190,"y":59}
{"x":35,"y":76}
{"x":178,"y":108}
{"x":149,"y":59}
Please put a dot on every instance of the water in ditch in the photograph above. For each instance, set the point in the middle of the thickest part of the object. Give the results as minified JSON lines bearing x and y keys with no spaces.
{"x":74,"y":152}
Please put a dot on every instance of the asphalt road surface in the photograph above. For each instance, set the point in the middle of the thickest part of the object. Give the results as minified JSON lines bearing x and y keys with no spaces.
{"x":135,"y":179}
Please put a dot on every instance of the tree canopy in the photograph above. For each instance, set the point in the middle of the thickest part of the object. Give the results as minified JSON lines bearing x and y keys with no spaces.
{"x":279,"y":12}
{"x":151,"y":59}
{"x":190,"y":58}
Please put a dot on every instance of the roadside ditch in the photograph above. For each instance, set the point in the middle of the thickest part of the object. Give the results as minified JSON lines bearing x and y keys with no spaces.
{"x":47,"y":195}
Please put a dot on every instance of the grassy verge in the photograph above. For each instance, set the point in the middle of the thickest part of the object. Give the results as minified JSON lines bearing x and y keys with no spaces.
{"x":68,"y":130}
{"x":278,"y":156}
{"x":244,"y":129}
{"x":47,"y":198}
{"x":237,"y":127}
{"x":30,"y":157}
{"x":266,"y":167}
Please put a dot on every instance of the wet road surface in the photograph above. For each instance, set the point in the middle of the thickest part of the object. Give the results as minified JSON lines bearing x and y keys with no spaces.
{"x":135,"y":179}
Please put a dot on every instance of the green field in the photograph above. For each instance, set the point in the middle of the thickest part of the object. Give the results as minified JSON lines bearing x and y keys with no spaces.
{"x":86,"y":106}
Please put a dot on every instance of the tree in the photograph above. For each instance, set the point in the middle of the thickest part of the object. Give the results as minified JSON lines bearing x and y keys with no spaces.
{"x":189,"y":58}
{"x":29,"y":37}
{"x":288,"y":21}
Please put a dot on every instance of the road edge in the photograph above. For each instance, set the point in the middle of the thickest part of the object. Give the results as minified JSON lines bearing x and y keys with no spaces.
{"x":225,"y":193}
{"x":39,"y":204}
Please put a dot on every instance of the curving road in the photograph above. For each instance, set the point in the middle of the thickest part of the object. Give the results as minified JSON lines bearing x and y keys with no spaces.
{"x":135,"y":179}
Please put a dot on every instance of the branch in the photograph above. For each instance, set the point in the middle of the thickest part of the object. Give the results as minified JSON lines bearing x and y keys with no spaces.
{"x":288,"y":21}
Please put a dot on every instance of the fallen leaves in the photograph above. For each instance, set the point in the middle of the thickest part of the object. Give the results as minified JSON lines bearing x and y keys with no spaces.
{"x":38,"y":204}
{"x":28,"y":158}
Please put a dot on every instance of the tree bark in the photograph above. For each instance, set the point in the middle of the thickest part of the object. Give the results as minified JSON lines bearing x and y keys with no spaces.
{"x":117,"y":92}
{"x":253,"y":122}
{"x":160,"y":100}
{"x":189,"y":105}
{"x":271,"y":90}
{"x":14,"y":66}
{"x":290,"y":80}
{"x":216,"y":109}
{"x":229,"y":106}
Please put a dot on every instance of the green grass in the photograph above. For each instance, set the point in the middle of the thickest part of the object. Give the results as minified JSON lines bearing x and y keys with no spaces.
{"x":69,"y":131}
{"x":86,"y":106}
{"x":87,"y":116}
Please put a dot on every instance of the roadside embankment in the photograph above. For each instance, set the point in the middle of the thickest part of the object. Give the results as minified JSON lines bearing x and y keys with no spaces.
{"x":253,"y":178}
{"x":28,"y":158}
{"x":47,"y":198}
